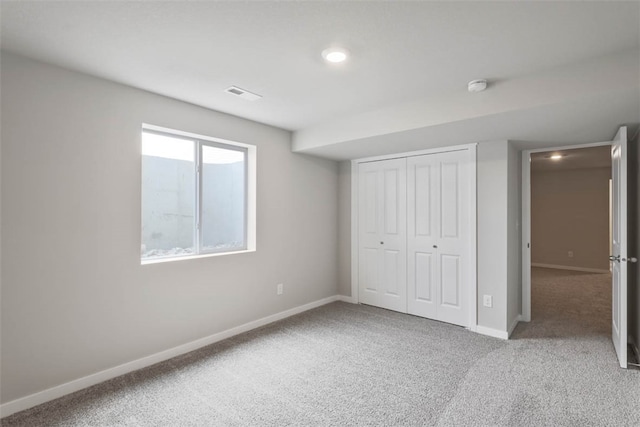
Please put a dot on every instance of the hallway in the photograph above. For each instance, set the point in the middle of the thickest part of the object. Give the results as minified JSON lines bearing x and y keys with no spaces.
{"x":569,"y":304}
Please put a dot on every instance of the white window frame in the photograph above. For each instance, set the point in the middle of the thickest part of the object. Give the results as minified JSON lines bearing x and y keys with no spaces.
{"x":201,"y":141}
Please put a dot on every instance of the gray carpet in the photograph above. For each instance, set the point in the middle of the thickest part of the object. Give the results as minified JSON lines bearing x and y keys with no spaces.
{"x":345,"y":364}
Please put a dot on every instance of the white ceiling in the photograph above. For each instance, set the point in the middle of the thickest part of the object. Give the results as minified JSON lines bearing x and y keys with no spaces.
{"x":402,"y":52}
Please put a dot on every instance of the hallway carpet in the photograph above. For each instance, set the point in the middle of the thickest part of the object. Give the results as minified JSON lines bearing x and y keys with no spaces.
{"x":344,"y":364}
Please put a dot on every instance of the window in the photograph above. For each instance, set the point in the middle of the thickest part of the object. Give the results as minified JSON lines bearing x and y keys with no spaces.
{"x":198,"y":195}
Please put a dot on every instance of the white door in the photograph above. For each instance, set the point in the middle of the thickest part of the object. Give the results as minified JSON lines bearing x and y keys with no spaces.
{"x":382,"y":257}
{"x":422,"y":235}
{"x":438,"y":236}
{"x":619,"y":244}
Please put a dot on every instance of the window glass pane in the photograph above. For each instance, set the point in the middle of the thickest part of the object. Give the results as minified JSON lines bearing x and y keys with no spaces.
{"x":168,"y":196}
{"x":223,"y":199}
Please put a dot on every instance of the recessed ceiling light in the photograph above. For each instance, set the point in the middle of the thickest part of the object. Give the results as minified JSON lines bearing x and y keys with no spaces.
{"x":555,"y":156}
{"x":335,"y":54}
{"x":477,"y":85}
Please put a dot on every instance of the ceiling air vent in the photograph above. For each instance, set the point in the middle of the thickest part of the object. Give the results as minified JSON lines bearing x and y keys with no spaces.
{"x":244,"y":94}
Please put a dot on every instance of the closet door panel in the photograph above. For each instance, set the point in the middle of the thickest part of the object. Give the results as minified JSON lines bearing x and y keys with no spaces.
{"x":390,"y":203}
{"x":423,"y":282}
{"x":393,"y":234}
{"x":453,"y":239}
{"x":420,"y":192}
{"x":382,"y":234}
{"x":368,"y":231}
{"x":369,"y":213}
{"x":450,"y":280}
{"x":423,"y":218}
{"x":369,"y":270}
{"x":449,"y":200}
{"x":392,"y":272}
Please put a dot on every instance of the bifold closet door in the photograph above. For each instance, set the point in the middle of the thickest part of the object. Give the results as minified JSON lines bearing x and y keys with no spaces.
{"x":438,"y":188}
{"x":382,"y":222}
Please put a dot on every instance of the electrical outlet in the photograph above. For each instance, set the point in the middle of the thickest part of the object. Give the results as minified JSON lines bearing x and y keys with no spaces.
{"x":570,"y":254}
{"x":487,"y":301}
{"x":279,"y":288}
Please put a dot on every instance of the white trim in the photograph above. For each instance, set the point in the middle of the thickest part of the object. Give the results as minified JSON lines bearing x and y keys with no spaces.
{"x":504,"y":335}
{"x":40,"y":397}
{"x":526,"y":236}
{"x":515,"y":322}
{"x":483,"y":330}
{"x":569,"y":147}
{"x":568,"y":267}
{"x":473,"y":237}
{"x":188,"y":257}
{"x":415,"y":153}
{"x":252,"y":198}
{"x":345,"y":298}
{"x":354,"y":232}
{"x":526,"y":219}
{"x":191,"y":135}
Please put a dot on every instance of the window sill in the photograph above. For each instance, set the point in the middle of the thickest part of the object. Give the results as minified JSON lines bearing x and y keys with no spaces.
{"x":189,"y":257}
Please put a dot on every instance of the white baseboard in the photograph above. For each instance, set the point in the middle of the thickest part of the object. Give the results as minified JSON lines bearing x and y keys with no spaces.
{"x":568,"y":267}
{"x":497,"y":333}
{"x":345,"y":298}
{"x":40,"y":397}
{"x":483,"y":330}
{"x":515,"y":322}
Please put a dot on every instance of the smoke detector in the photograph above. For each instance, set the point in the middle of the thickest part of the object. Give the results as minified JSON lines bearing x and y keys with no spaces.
{"x":244,"y":94}
{"x":477,"y":85}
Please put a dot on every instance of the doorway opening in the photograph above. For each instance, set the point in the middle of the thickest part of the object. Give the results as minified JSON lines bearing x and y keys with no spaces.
{"x":570,"y":205}
{"x":567,"y":278}
{"x":565,"y":255}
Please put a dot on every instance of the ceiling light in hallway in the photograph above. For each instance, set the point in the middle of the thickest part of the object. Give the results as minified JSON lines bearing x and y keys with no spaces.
{"x":335,"y":54}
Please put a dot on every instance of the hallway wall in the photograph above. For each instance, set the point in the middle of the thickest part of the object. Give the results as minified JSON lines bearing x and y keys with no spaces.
{"x":570,"y":213}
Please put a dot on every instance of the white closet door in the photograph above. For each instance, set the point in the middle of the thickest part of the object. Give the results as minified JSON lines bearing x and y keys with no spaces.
{"x":422,"y":238}
{"x":453,"y":239}
{"x":382,"y":234}
{"x":438,"y":236}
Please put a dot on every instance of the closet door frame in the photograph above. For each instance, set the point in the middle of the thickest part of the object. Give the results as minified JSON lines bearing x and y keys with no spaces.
{"x":472,"y":289}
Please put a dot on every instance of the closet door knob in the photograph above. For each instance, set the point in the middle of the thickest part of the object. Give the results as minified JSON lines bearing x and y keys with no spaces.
{"x":435,"y":246}
{"x":382,"y":243}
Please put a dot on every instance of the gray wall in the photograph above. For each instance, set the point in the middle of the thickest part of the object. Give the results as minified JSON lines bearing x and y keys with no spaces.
{"x":570,"y":212}
{"x":493,"y":259}
{"x":75,"y":299}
